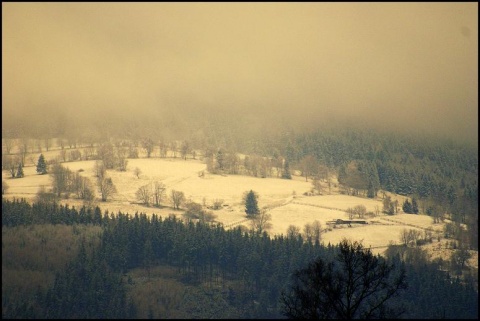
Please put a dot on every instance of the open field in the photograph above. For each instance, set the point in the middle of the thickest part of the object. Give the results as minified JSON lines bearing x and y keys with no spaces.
{"x":283,"y":198}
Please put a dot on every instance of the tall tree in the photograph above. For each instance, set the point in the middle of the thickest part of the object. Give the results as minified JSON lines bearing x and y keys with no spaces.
{"x":286,"y":170}
{"x":251,"y":203}
{"x":355,"y":285}
{"x":41,"y":165}
{"x":148,"y":145}
{"x":309,"y":166}
{"x":106,"y":187}
{"x":20,"y":173}
{"x":261,"y":222}
{"x":144,"y":194}
{"x":177,"y":198}
{"x":414,"y":206}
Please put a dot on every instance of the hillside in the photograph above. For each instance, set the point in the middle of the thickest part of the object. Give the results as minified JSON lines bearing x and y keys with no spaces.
{"x":283,"y":199}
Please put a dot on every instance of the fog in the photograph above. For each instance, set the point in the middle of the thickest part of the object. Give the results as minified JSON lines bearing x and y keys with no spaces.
{"x":388,"y":65}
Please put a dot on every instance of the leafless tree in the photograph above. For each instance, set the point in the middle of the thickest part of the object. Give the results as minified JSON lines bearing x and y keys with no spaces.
{"x":106,"y":187}
{"x":47,"y":143}
{"x":317,"y":186}
{"x":293,"y":231}
{"x":162,"y":149}
{"x":63,"y":154}
{"x":261,"y":222}
{"x":184,"y":149}
{"x":158,"y":192}
{"x":8,"y":143}
{"x":99,"y":169}
{"x":121,"y":159}
{"x":148,"y":145}
{"x":75,"y":155}
{"x":316,"y":231}
{"x":177,"y":198}
{"x":350,"y":213}
{"x":308,"y":232}
{"x":10,"y":163}
{"x":173,"y":148}
{"x":308,"y":165}
{"x":144,"y":194}
{"x":38,"y":143}
{"x":360,"y":210}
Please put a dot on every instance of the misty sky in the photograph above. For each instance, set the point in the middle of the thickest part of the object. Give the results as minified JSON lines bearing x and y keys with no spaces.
{"x":408,"y":64}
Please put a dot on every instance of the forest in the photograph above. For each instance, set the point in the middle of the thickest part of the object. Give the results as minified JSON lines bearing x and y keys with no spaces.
{"x":116,"y":259}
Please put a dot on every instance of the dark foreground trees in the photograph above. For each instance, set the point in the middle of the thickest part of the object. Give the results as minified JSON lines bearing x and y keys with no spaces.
{"x":355,"y":285}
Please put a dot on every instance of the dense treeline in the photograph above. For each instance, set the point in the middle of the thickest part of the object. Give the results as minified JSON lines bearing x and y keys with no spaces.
{"x":92,"y":285}
{"x":441,"y":174}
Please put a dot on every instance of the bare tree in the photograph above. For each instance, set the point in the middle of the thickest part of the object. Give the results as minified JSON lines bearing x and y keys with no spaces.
{"x":350,"y":213}
{"x":184,"y":149}
{"x":308,"y":232}
{"x":162,"y":148}
{"x":261,"y":222}
{"x":360,"y":210}
{"x":99,"y":169}
{"x":63,"y":154}
{"x":308,"y":165}
{"x":405,"y":237}
{"x":148,"y":145}
{"x":357,"y":285}
{"x":144,"y":194}
{"x":409,"y":236}
{"x":106,"y":187}
{"x":293,"y":231}
{"x":61,"y":178}
{"x":75,"y":155}
{"x":10,"y":163}
{"x":8,"y":143}
{"x":177,"y":198}
{"x":173,"y":148}
{"x":38,"y":143}
{"x":121,"y":159}
{"x":317,"y":186}
{"x":158,"y":192}
{"x":316,"y":231}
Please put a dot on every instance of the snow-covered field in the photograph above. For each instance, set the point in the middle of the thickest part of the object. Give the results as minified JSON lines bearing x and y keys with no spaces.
{"x":284,"y":199}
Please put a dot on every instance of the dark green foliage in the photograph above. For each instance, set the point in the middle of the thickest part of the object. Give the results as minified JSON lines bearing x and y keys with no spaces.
{"x":414,"y":206}
{"x":286,"y":171}
{"x":407,"y":207}
{"x":20,"y":171}
{"x":257,"y":267}
{"x":251,"y":203}
{"x":41,"y":165}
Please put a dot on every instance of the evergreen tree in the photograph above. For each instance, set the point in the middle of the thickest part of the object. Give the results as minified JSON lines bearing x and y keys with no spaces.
{"x":20,"y":171}
{"x":414,"y":206}
{"x":251,"y":205}
{"x":286,"y":171}
{"x":41,"y":165}
{"x":407,"y":207}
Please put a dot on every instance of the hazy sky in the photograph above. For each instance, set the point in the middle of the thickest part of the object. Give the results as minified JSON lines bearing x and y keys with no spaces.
{"x":414,"y":64}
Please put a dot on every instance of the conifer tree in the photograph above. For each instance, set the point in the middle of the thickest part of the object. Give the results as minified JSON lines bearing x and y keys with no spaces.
{"x":407,"y":207}
{"x":20,"y":171}
{"x":251,"y":205}
{"x":41,"y":165}
{"x":414,"y":206}
{"x":286,"y":171}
